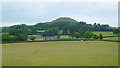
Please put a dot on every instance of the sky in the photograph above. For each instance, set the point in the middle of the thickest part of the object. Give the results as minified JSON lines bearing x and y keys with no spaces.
{"x":31,"y":13}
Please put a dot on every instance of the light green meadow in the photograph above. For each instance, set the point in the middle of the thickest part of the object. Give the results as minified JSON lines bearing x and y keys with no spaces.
{"x":112,"y":38}
{"x":105,"y":33}
{"x":61,"y":53}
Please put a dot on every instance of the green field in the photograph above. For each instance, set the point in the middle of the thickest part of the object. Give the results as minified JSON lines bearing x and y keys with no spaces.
{"x":64,"y":36}
{"x":36,"y":36}
{"x":105,"y":33}
{"x":61,"y":53}
{"x":112,"y":38}
{"x":40,"y":30}
{"x":0,"y":55}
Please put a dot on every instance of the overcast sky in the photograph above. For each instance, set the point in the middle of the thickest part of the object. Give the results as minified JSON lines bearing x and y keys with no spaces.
{"x":34,"y":12}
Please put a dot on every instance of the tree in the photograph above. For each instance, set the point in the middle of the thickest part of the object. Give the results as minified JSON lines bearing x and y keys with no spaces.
{"x":72,"y":35}
{"x":13,"y":31}
{"x":22,"y":37}
{"x":41,"y":26}
{"x":65,"y":32}
{"x":6,"y":37}
{"x":14,"y":38}
{"x":51,"y":32}
{"x":32,"y":38}
{"x":95,"y":23}
{"x":32,"y":30}
{"x":116,"y":31}
{"x":82,"y":32}
{"x":98,"y":24}
{"x":19,"y":29}
{"x":95,"y":36}
{"x":101,"y":36}
{"x":73,"y":28}
{"x":4,"y":29}
{"x":58,"y":36}
{"x":88,"y":35}
{"x":76,"y":35}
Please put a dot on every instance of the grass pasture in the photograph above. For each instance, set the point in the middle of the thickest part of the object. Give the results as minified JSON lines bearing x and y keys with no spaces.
{"x":0,"y":55}
{"x":40,"y":30}
{"x":36,"y":36}
{"x":64,"y":36}
{"x":112,"y":38}
{"x":105,"y":33}
{"x":61,"y":53}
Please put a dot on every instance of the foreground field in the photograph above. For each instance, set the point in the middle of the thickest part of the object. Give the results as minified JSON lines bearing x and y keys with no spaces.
{"x":0,"y":55}
{"x":61,"y":53}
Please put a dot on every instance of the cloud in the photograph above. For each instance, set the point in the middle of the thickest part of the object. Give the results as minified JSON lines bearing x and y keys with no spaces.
{"x":31,"y":12}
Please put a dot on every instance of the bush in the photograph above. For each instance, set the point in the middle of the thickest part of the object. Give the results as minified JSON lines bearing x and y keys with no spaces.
{"x":88,"y":35}
{"x":32,"y":38}
{"x":19,"y":37}
{"x":101,"y":36}
{"x":95,"y":36}
{"x":22,"y":37}
{"x":58,"y":36}
{"x":6,"y":37}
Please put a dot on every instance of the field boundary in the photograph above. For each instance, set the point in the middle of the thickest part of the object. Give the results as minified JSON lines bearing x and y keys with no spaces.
{"x":59,"y":40}
{"x":60,"y":67}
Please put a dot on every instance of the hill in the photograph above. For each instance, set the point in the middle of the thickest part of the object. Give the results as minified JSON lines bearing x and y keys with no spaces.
{"x":64,"y":19}
{"x":65,"y":24}
{"x":60,"y":26}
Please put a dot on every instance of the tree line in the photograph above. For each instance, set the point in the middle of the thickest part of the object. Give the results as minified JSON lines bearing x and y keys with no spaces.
{"x":74,"y":29}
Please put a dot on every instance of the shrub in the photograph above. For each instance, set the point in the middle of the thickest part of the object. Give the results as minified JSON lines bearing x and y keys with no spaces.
{"x":6,"y":37}
{"x":88,"y":35}
{"x":101,"y":36}
{"x":32,"y":38}
{"x":95,"y":36}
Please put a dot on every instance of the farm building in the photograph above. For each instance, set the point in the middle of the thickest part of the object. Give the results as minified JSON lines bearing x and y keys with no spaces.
{"x":46,"y":38}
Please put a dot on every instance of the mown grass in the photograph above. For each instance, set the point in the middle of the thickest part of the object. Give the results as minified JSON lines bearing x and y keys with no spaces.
{"x":36,"y":36}
{"x":0,"y":55}
{"x":105,"y":33}
{"x":64,"y":36}
{"x":40,"y":30}
{"x":112,"y":38}
{"x":61,"y":53}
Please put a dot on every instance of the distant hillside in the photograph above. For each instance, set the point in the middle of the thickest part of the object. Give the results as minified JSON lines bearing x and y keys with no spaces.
{"x":65,"y":24}
{"x":64,"y":19}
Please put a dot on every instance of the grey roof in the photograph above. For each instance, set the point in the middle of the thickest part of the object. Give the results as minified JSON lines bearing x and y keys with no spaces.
{"x":46,"y":38}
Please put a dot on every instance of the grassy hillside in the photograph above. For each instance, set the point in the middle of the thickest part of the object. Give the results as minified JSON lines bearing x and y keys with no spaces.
{"x":63,"y":19}
{"x":62,"y":53}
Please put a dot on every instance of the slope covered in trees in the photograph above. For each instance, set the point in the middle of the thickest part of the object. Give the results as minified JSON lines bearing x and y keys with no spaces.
{"x":60,"y":26}
{"x":68,"y":26}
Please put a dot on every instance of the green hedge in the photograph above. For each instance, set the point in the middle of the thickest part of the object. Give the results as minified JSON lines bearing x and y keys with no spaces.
{"x":3,"y":42}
